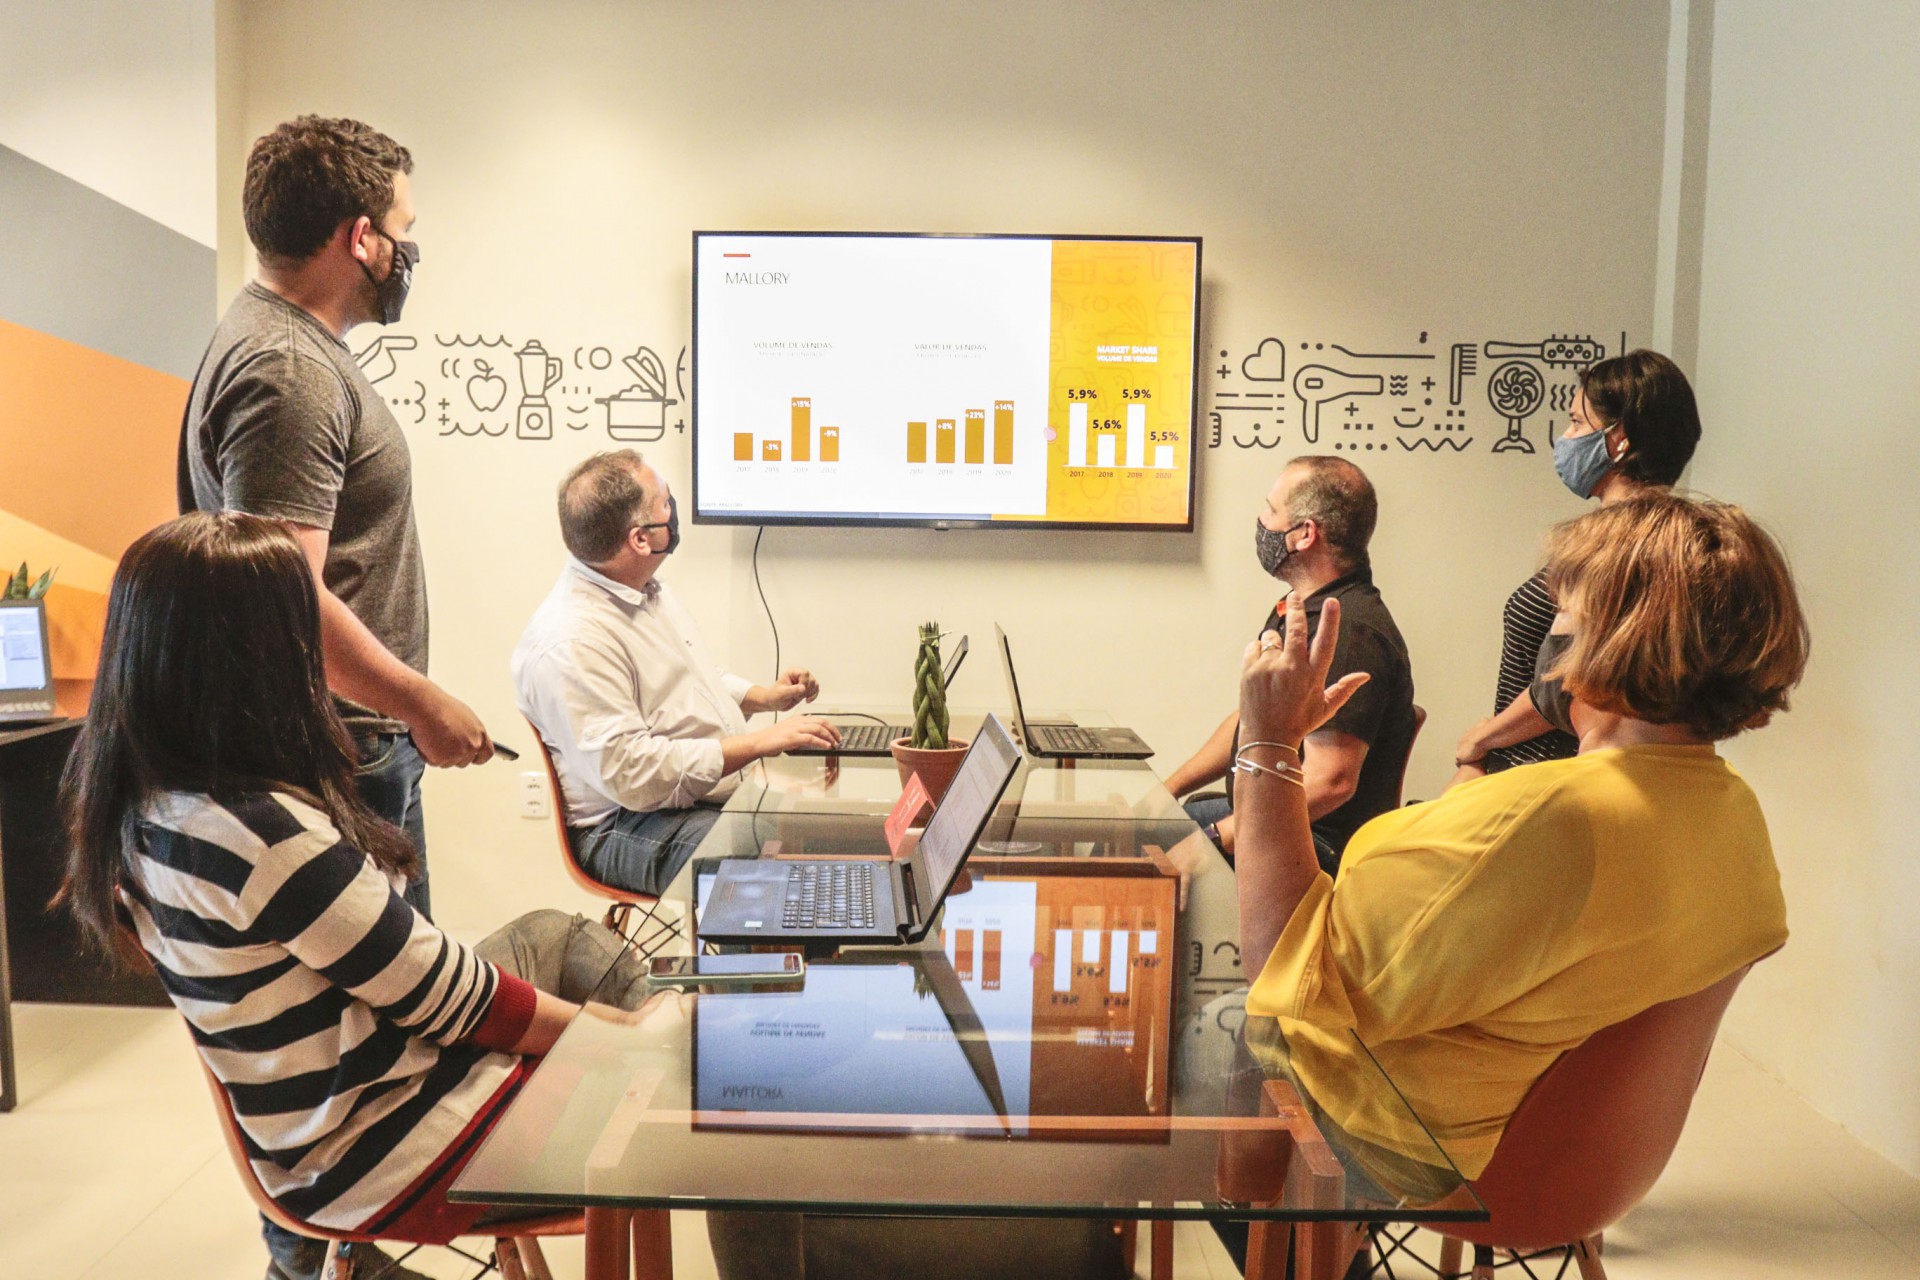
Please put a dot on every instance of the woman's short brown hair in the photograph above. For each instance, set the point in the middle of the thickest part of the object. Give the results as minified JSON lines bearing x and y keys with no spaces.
{"x":1684,"y":613}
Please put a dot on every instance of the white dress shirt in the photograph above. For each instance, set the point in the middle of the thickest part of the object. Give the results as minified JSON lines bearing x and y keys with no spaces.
{"x":625,"y":697}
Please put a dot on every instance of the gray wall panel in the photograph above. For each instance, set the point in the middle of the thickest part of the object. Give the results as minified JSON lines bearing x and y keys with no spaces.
{"x":85,"y":268}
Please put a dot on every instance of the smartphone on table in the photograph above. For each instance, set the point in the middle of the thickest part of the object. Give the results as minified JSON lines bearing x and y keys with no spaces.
{"x":768,"y":968}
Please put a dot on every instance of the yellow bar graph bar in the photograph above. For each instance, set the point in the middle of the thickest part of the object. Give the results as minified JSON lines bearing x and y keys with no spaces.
{"x":769,"y":451}
{"x":742,"y":446}
{"x":943,"y":439}
{"x":802,"y":429}
{"x":976,"y":436}
{"x":829,"y":444}
{"x":916,"y":442}
{"x":1003,"y":433}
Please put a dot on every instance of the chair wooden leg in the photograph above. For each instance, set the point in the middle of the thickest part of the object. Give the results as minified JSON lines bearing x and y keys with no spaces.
{"x":532,"y":1259}
{"x":1450,"y":1259}
{"x":608,"y":1253}
{"x":339,"y":1263}
{"x":506,"y":1256}
{"x":1587,"y":1254}
{"x":1268,"y":1244}
{"x":1161,"y":1265}
{"x":652,"y":1245}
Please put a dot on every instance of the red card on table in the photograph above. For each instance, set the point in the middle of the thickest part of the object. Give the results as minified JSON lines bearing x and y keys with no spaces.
{"x":913,"y":800}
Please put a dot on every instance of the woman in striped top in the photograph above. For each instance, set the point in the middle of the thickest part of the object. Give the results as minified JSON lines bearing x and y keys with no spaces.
{"x":213,"y":817}
{"x":1632,"y":430}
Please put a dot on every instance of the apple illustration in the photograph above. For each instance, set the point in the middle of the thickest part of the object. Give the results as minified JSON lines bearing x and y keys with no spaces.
{"x":486,"y":388}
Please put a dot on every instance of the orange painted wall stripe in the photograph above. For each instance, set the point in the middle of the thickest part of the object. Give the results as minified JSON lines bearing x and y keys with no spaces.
{"x":89,"y":440}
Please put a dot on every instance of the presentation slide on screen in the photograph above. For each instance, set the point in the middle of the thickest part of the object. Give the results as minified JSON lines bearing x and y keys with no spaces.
{"x":929,"y":378}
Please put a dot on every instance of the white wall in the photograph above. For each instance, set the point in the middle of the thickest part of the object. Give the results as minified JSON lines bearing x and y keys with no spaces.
{"x":1808,"y":324}
{"x":1362,"y":174}
{"x":118,"y":97}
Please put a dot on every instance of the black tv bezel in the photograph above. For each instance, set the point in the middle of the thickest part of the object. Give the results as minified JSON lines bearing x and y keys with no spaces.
{"x":937,"y":522}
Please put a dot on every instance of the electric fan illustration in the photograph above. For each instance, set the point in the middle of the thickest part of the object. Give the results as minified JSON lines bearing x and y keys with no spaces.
{"x":1516,"y":391}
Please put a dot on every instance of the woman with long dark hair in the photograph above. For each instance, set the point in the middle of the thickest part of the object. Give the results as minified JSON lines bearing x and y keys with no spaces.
{"x":214,"y":825}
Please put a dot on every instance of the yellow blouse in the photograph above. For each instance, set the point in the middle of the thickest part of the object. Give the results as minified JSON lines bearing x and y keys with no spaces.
{"x":1473,"y":939}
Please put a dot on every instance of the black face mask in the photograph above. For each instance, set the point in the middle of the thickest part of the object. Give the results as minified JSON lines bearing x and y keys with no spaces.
{"x":1549,"y":693}
{"x":671,"y":524}
{"x":391,"y":293}
{"x":1271,"y":547}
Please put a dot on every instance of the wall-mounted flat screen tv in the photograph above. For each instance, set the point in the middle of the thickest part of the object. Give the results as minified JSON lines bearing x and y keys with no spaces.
{"x":999,"y":381}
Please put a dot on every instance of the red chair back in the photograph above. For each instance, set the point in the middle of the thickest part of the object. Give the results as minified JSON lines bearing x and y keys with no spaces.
{"x":565,"y":837}
{"x":1593,"y":1134}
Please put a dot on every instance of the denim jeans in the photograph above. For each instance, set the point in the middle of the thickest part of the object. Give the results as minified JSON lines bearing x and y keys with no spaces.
{"x":564,"y":955}
{"x":388,"y":781}
{"x":1210,"y":809}
{"x":642,"y":852}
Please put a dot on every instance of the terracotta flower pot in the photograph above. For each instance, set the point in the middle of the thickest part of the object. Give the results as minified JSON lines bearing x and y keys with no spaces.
{"x":935,"y":767}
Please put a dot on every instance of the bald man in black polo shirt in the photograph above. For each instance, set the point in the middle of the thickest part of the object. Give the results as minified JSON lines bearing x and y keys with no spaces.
{"x":1312,"y":534}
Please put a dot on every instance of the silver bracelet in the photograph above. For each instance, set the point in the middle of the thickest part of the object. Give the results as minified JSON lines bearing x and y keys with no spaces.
{"x":1283,"y":746}
{"x":1288,"y":773}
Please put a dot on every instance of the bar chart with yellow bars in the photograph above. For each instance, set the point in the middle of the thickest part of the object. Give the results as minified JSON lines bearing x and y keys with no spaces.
{"x":1121,"y":398}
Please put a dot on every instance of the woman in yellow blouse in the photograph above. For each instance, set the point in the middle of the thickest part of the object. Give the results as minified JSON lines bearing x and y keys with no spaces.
{"x":1471,"y":940}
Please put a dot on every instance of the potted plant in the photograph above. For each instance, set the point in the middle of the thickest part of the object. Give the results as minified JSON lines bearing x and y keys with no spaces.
{"x":24,"y":586}
{"x":929,"y":752}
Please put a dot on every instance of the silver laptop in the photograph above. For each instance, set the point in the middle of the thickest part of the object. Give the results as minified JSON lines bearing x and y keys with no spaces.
{"x":757,"y":900}
{"x":1066,"y":740}
{"x":26,"y":664}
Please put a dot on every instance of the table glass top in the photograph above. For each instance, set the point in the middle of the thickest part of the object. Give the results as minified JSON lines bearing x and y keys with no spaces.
{"x":1070,"y":1039}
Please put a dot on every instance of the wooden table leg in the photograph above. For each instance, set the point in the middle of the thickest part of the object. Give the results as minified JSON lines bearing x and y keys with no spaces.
{"x":652,"y":1245}
{"x":1161,"y":1266}
{"x":607,"y":1232}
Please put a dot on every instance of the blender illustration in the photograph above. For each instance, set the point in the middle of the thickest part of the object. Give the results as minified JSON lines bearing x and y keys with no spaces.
{"x":533,"y":418}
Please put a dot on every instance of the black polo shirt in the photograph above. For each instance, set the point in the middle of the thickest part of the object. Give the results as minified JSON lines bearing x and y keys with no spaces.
{"x":1380,"y":714}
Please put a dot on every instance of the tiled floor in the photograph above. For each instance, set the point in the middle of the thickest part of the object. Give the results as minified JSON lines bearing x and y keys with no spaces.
{"x":112,"y":1170}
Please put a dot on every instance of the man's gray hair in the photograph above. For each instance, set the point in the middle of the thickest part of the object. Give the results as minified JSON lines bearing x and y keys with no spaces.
{"x":601,"y":500}
{"x":1337,"y":496}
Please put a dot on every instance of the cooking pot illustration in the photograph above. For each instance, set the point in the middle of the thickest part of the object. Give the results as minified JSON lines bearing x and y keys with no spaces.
{"x":639,"y":412}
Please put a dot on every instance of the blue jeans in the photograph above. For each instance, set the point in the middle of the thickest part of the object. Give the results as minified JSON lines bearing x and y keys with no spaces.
{"x":642,"y":852}
{"x":1210,"y":809}
{"x":388,"y":781}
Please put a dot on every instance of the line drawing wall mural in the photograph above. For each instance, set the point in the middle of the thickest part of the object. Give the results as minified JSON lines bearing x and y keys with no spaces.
{"x":1392,"y":400}
{"x":491,"y":386}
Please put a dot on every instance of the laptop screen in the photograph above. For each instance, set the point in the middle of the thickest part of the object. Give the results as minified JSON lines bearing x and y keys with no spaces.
{"x":963,"y":812}
{"x":23,"y":647}
{"x":1013,"y":683}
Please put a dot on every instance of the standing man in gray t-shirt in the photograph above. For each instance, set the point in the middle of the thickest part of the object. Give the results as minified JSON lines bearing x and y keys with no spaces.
{"x":283,"y":423}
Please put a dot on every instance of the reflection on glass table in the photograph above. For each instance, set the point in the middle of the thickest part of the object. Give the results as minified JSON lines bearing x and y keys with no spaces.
{"x":1069,"y":1042}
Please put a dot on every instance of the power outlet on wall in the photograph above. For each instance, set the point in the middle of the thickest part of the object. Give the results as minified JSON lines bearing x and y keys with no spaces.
{"x":533,"y":795}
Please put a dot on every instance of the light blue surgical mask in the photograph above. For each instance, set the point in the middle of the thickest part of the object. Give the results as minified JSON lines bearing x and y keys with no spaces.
{"x":1582,"y":461}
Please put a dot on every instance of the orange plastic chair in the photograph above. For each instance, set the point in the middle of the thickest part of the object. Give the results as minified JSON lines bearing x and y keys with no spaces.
{"x":1593,"y":1135}
{"x":517,"y":1253}
{"x":655,"y":929}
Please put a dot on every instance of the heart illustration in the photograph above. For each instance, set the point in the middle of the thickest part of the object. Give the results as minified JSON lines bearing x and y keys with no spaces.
{"x":486,"y":388}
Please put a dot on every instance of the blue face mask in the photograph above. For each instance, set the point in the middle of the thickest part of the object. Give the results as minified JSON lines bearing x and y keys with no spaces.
{"x":1582,"y":461}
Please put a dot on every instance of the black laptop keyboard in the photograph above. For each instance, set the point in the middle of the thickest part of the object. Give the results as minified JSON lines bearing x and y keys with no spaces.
{"x":829,"y":895}
{"x":870,"y":737}
{"x":1064,"y":738}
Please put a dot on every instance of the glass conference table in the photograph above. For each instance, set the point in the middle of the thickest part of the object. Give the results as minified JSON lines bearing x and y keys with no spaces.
{"x":1070,"y":1041}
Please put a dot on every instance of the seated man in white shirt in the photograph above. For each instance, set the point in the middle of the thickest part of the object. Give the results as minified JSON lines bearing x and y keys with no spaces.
{"x":648,"y":734}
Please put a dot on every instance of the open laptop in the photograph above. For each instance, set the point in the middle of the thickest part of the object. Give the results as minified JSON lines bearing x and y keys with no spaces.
{"x":871,"y":738}
{"x":755,"y":900}
{"x":26,"y":664}
{"x":1067,"y":741}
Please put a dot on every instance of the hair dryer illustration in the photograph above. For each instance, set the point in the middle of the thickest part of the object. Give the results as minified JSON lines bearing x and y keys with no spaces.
{"x":1317,"y":385}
